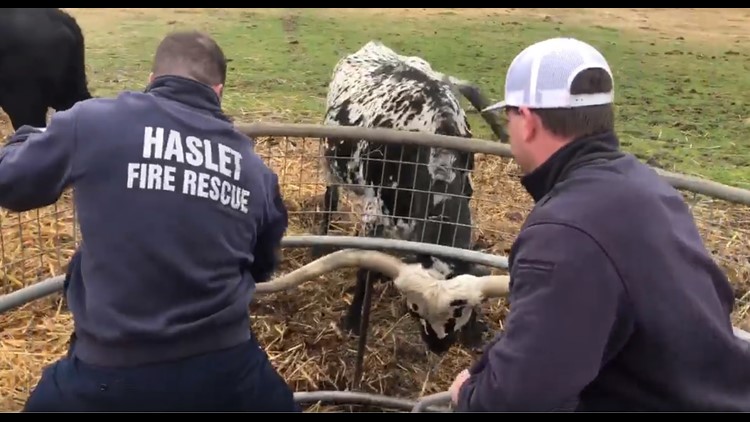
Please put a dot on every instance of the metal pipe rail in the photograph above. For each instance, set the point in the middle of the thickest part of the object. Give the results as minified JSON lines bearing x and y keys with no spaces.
{"x":51,"y":285}
{"x":54,"y":284}
{"x":406,"y":246}
{"x":424,"y":404}
{"x":393,"y":136}
{"x":31,"y":293}
{"x":432,"y":400}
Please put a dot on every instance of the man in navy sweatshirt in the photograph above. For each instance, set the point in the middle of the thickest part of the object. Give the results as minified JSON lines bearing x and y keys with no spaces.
{"x":615,"y":303}
{"x":179,"y":219}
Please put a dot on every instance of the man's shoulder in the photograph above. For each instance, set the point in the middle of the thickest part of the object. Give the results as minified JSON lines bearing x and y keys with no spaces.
{"x":123,"y":99}
{"x":610,"y":202}
{"x":626,"y":172}
{"x":608,"y":189}
{"x":96,"y":106}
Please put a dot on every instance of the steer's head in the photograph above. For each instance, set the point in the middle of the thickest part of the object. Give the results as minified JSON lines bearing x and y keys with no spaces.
{"x":443,"y":306}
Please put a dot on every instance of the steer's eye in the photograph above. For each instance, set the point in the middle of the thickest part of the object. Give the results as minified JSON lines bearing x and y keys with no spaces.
{"x":457,"y":312}
{"x":413,"y":310}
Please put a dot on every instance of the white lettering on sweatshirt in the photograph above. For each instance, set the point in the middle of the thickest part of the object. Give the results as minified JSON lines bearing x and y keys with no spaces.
{"x":214,"y":168}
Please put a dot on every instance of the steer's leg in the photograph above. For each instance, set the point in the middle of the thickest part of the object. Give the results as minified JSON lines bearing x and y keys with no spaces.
{"x":330,"y":206}
{"x":357,"y":314}
{"x":357,"y":318}
{"x":24,"y":105}
{"x":472,"y":334}
{"x":353,"y":319}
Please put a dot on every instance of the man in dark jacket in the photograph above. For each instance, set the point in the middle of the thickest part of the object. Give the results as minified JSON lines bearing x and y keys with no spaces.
{"x":179,"y":219}
{"x":615,"y":303}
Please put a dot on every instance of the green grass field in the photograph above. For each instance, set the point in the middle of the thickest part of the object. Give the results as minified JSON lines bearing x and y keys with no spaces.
{"x":683,"y":104}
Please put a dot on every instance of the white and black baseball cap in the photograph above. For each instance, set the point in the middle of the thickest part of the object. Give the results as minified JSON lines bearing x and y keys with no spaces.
{"x":541,"y":75}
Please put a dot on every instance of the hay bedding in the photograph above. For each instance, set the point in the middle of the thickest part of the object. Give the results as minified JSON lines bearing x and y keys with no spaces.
{"x":298,"y":327}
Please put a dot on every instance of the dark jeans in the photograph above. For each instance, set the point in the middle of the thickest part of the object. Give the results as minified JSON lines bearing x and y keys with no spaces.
{"x":239,"y":379}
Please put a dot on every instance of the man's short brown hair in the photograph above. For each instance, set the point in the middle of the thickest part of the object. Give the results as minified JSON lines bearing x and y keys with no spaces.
{"x":582,"y":121}
{"x":191,"y":54}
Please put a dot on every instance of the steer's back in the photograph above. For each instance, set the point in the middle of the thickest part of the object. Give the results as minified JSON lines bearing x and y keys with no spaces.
{"x":377,"y":88}
{"x":34,"y":40}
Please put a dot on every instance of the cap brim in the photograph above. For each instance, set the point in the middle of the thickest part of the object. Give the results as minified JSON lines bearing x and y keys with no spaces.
{"x":496,"y":106}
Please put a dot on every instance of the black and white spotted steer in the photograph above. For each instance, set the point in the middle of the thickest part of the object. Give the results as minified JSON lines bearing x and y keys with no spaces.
{"x":42,"y":64}
{"x":408,"y":192}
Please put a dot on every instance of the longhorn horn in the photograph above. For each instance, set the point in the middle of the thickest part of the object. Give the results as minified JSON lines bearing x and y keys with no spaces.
{"x":472,"y":93}
{"x":493,"y":286}
{"x":469,"y":287}
{"x":371,"y":260}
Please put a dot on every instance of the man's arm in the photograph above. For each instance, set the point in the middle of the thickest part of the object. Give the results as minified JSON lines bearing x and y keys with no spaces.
{"x":270,"y":233}
{"x":566,"y":298}
{"x":36,"y":166}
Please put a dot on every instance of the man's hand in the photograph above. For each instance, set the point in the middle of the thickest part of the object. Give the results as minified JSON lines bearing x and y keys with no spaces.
{"x":21,"y":134}
{"x":457,"y":383}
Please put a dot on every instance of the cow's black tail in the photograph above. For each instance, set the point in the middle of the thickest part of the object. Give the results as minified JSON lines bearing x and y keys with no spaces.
{"x":77,"y":86}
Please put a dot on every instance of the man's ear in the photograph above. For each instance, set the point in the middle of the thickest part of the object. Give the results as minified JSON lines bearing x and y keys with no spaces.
{"x":218,"y":89}
{"x":150,"y":78}
{"x":530,"y":123}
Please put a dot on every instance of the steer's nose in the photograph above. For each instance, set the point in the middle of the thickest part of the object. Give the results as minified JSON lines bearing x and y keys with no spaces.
{"x":438,"y":345}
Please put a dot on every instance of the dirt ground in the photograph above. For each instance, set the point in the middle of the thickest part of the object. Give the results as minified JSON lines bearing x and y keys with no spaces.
{"x":667,"y":21}
{"x":689,"y":23}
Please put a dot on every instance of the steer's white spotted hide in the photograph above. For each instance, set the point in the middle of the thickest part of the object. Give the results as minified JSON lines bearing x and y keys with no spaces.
{"x":376,"y":87}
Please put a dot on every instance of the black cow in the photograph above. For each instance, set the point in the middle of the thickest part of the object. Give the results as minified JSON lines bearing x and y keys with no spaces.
{"x":413,"y":193}
{"x":42,"y":64}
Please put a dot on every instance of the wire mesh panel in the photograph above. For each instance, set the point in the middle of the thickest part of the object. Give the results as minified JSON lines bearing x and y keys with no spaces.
{"x":34,"y":245}
{"x":498,"y":204}
{"x":725,"y":229}
{"x":396,"y":363}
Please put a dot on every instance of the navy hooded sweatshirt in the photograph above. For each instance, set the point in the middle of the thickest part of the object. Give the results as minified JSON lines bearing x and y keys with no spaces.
{"x":179,"y":219}
{"x":615,"y":303}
